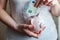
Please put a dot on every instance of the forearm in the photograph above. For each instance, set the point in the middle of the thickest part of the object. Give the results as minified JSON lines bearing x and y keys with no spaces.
{"x":6,"y":18}
{"x":9,"y":21}
{"x":56,"y":9}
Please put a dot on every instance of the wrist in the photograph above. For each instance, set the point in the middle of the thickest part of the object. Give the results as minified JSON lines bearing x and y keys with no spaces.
{"x":15,"y":26}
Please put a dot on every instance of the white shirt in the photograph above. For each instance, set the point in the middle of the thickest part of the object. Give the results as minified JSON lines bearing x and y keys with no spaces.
{"x":17,"y":9}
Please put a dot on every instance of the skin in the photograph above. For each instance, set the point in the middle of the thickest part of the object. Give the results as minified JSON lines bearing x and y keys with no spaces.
{"x":55,"y":9}
{"x":9,"y":21}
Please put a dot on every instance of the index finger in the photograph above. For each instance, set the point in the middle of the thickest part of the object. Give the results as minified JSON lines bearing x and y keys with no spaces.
{"x":45,"y":1}
{"x":38,"y":2}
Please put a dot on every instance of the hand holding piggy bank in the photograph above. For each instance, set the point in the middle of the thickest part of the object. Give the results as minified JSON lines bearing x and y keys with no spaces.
{"x":37,"y":23}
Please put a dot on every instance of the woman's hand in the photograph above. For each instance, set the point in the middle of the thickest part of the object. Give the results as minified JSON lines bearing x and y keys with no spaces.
{"x":34,"y":34}
{"x":38,"y":3}
{"x":45,"y":2}
{"x":48,"y":2}
{"x":26,"y":29}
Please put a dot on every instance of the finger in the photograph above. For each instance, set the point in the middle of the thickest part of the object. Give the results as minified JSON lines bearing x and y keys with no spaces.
{"x":49,"y":3}
{"x":30,"y":27}
{"x":41,"y":1}
{"x":30,"y":33}
{"x":45,"y":1}
{"x":26,"y":26}
{"x":37,"y":2}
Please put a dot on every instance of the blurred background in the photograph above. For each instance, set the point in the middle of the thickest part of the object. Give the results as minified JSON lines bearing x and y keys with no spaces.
{"x":3,"y":27}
